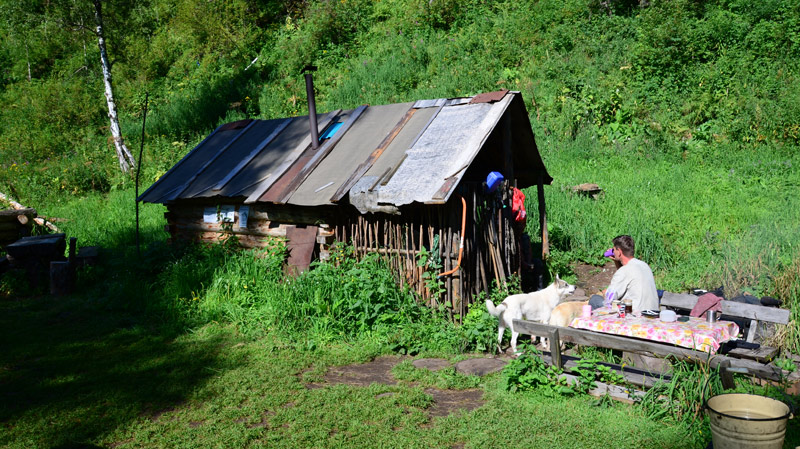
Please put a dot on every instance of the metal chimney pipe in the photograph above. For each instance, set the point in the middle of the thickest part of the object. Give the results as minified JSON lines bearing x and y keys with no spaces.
{"x":312,"y":106}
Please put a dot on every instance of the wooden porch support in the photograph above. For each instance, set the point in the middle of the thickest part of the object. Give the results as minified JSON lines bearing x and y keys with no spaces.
{"x":543,"y":218}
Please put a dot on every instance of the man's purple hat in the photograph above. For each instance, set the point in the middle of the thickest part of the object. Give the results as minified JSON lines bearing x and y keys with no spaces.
{"x":609,"y":252}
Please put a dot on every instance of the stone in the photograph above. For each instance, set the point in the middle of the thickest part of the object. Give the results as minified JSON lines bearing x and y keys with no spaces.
{"x":480,"y":367}
{"x":431,"y":364}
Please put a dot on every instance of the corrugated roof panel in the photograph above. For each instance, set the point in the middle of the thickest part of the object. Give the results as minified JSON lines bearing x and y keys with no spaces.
{"x":449,"y":143}
{"x":353,"y":148}
{"x":188,"y":166}
{"x":396,"y":154}
{"x":396,"y":151}
{"x":203,"y":185}
{"x":277,"y":158}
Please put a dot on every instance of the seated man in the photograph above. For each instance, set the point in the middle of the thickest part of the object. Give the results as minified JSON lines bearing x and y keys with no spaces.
{"x":633,"y":280}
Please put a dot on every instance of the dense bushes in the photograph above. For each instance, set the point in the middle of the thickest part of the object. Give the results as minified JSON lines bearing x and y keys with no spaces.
{"x":671,"y":73}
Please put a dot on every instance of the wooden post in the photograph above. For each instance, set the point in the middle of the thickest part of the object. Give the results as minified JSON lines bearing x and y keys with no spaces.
{"x":543,"y":218}
{"x":726,"y":376}
{"x":555,"y":348}
{"x":60,"y":278}
{"x":72,"y":244}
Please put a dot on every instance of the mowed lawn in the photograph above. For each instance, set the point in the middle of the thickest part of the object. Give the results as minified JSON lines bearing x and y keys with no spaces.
{"x":74,"y":374}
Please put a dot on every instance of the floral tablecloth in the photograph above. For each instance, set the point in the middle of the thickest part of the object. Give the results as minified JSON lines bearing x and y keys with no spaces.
{"x":696,"y":333}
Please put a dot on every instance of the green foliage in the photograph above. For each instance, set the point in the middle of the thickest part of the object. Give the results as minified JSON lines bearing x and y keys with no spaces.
{"x":445,"y":378}
{"x":431,"y":264}
{"x":530,"y":372}
{"x":14,"y":284}
{"x":479,"y":328}
{"x":683,"y":398}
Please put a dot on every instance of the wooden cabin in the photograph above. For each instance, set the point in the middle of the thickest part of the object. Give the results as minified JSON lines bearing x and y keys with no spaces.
{"x":391,"y":179}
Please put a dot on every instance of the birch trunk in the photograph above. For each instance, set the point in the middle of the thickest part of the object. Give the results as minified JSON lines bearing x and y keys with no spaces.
{"x":126,"y":161}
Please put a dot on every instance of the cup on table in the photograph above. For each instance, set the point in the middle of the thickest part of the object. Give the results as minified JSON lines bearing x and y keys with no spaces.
{"x":587,"y":311}
{"x":628,"y":307}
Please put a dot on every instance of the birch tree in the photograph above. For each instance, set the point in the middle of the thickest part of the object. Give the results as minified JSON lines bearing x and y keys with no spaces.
{"x":126,"y":160}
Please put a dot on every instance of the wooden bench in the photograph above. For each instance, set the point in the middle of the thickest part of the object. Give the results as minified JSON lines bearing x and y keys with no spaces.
{"x":756,"y":314}
{"x":583,"y":337}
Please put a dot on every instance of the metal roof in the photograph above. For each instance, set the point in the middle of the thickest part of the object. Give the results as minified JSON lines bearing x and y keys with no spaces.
{"x":382,"y":156}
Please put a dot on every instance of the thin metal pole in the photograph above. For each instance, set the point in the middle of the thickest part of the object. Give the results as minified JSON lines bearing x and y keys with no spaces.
{"x":139,"y":170}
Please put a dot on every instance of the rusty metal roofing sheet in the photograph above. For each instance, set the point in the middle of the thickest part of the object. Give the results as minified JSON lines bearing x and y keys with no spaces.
{"x":354,"y":147}
{"x":281,"y":155}
{"x":238,"y":150}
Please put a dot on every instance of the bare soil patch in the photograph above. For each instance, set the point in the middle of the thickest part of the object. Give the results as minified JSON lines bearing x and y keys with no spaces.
{"x":379,"y":370}
{"x":364,"y":374}
{"x":446,"y":402}
{"x":591,"y":278}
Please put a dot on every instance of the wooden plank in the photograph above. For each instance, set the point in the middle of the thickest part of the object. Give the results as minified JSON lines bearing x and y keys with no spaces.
{"x":763,"y":354}
{"x":726,"y":376}
{"x":751,"y":330}
{"x":650,"y":348}
{"x":733,"y":308}
{"x":631,"y":375}
{"x":555,"y":348}
{"x":318,"y":155}
{"x":367,"y":164}
{"x":445,"y":188}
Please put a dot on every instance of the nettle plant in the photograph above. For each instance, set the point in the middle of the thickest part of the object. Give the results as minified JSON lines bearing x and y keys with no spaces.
{"x":529,"y":371}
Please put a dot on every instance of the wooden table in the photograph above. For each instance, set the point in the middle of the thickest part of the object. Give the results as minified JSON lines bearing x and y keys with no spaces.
{"x":695,"y":334}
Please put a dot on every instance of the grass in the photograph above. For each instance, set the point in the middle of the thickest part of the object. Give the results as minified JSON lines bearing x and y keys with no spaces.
{"x":74,"y":374}
{"x":187,"y":346}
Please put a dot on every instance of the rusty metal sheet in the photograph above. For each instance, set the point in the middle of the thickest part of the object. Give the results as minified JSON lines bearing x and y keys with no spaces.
{"x":489,"y":97}
{"x":301,"y":245}
{"x":288,"y":161}
{"x":235,"y":125}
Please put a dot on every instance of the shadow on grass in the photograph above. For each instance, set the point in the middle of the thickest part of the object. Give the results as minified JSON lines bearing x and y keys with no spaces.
{"x":70,"y":373}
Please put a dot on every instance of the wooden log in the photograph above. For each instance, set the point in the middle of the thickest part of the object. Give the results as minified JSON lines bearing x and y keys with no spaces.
{"x":37,"y":220}
{"x":12,"y":214}
{"x":10,"y":226}
{"x":9,"y":236}
{"x":256,"y":230}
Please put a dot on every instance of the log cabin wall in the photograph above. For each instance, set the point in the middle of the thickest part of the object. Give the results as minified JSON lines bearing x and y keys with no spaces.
{"x":185,"y":222}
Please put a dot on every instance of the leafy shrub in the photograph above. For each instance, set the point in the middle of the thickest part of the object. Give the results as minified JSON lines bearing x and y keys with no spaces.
{"x":479,"y":328}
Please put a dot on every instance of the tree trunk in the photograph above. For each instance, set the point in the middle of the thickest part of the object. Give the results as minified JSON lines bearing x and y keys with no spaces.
{"x":126,"y":161}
